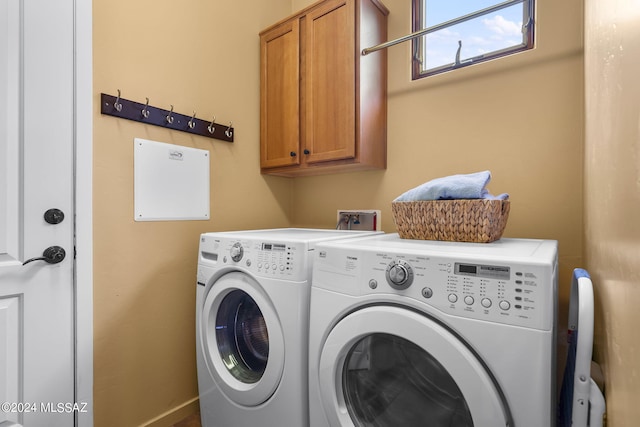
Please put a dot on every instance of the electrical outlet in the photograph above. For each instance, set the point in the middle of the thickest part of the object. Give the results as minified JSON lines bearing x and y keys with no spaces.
{"x":353,"y":219}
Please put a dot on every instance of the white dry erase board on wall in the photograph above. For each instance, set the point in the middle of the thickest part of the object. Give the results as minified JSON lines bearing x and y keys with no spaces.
{"x":171,"y":182}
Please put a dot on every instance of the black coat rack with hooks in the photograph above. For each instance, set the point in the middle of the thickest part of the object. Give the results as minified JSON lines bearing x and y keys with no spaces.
{"x":145,"y":113}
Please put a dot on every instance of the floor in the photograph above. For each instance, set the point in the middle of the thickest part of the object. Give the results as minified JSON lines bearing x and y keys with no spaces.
{"x":190,"y":421}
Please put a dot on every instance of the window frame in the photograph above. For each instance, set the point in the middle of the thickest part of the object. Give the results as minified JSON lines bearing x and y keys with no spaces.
{"x":418,"y":49}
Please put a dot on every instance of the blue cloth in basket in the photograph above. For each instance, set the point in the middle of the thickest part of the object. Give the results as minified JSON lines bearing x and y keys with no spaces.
{"x":469,"y":186}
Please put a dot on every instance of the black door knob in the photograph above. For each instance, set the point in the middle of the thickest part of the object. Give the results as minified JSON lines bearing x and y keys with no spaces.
{"x":54,"y":216}
{"x":292,"y":154}
{"x":51,"y":255}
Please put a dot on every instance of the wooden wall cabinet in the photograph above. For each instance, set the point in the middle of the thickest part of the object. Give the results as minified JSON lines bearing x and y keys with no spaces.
{"x":323,"y":106}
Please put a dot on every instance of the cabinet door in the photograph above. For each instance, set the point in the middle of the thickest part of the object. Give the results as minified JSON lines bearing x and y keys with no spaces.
{"x":330,"y":79}
{"x":280,"y":96}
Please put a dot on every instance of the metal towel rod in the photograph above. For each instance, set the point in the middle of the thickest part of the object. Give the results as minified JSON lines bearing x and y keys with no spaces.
{"x":425,"y":31}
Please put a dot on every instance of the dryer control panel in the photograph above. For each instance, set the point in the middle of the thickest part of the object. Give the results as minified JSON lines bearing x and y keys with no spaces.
{"x":283,"y":260}
{"x":500,"y":292}
{"x":512,"y":291}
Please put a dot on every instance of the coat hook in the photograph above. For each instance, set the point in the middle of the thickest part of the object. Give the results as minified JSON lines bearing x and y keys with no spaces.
{"x":145,"y":110}
{"x":211,"y":128}
{"x":229,"y":132}
{"x":117,"y":104}
{"x":169,"y":116}
{"x":192,"y":123}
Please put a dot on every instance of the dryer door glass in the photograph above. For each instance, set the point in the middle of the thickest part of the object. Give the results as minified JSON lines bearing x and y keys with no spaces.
{"x":388,"y":366}
{"x":390,"y":381}
{"x":242,"y":336}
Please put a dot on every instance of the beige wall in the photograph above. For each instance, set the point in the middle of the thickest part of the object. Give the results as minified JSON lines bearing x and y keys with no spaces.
{"x":201,"y":56}
{"x":520,"y":117}
{"x":612,"y":197}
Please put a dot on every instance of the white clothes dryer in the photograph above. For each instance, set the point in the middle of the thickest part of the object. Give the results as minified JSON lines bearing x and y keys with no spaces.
{"x":252,"y":311}
{"x":418,"y":333}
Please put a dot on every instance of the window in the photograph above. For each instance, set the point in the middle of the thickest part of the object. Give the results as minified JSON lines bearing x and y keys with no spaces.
{"x":464,"y":32}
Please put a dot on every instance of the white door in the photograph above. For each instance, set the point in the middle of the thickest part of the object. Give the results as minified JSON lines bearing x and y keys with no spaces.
{"x":389,"y":366}
{"x":36,"y":174}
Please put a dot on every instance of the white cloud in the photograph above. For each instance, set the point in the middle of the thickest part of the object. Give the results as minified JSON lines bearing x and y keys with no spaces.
{"x":444,"y":34}
{"x":478,"y":41}
{"x":503,"y":27}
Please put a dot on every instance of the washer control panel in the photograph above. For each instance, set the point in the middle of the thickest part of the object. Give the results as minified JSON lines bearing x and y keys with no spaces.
{"x":284,"y":260}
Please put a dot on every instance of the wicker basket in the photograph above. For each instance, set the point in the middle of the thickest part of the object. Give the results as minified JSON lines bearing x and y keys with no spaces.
{"x":461,"y":220}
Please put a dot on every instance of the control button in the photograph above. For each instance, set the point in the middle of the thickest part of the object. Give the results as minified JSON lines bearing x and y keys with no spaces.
{"x":236,"y":252}
{"x":266,"y":266}
{"x":505,"y":305}
{"x":282,"y":268}
{"x":427,"y":292}
{"x":452,"y":298}
{"x":373,"y":283}
{"x":486,"y":302}
{"x":248,"y":262}
{"x":259,"y":265}
{"x":399,"y":274}
{"x":275,"y":267}
{"x":468,"y":300}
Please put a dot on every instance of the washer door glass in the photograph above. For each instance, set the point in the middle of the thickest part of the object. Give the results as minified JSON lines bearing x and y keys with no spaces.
{"x":243,"y":339}
{"x":390,"y":381}
{"x":389,"y":366}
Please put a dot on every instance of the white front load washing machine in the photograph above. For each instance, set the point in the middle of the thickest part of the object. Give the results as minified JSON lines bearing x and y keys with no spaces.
{"x":412,"y":333}
{"x":252,"y":319}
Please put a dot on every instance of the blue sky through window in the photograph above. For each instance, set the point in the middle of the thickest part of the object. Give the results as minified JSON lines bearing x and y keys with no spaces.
{"x":489,"y":33}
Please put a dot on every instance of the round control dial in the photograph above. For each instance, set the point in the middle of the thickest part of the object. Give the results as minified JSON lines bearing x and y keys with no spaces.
{"x":236,"y":252}
{"x":399,"y":274}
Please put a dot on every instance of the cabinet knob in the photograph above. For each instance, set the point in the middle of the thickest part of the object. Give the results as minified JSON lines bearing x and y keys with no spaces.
{"x":292,"y":154}
{"x":306,"y":151}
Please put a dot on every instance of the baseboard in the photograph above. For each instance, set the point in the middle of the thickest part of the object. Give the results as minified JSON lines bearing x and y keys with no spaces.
{"x":175,"y":415}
